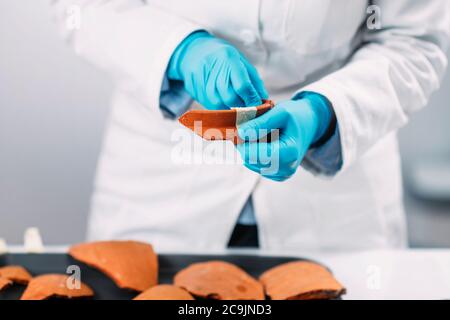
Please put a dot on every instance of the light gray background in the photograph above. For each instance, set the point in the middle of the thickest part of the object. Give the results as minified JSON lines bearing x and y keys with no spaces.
{"x":53,"y":108}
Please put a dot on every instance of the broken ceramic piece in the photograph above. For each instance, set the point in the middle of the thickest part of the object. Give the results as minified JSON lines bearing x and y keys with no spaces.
{"x":222,"y":124}
{"x":4,"y":283}
{"x":165,"y":292}
{"x":130,"y":264}
{"x":16,"y":274}
{"x":301,"y":280}
{"x":219,"y":280}
{"x":55,"y":286}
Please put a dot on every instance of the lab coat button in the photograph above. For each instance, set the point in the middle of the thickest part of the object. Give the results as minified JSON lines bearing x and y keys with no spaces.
{"x":248,"y":37}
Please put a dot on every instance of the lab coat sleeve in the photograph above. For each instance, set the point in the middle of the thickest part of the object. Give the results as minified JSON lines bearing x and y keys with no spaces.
{"x":132,"y":39}
{"x":391,"y":75}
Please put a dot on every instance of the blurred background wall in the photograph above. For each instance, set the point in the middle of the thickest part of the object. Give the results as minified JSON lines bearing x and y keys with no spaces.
{"x":53,"y":109}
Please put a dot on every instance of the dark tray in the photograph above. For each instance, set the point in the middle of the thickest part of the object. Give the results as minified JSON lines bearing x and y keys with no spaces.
{"x":105,"y":289}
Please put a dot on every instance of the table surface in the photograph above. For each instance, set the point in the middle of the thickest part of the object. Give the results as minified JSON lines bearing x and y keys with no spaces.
{"x":378,"y":274}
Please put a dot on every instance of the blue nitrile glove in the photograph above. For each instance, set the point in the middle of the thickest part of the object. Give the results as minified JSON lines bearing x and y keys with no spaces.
{"x":215,"y":73}
{"x":301,"y":124}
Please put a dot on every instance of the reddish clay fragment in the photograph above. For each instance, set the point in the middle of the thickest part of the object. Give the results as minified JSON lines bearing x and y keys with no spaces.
{"x":219,"y":280}
{"x":4,"y":283}
{"x":55,"y":286}
{"x":16,"y":274}
{"x":165,"y":292}
{"x":130,"y":264}
{"x":301,"y":280}
{"x":220,"y":124}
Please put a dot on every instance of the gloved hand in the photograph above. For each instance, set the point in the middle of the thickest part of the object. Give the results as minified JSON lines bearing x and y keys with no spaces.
{"x":300,"y":124}
{"x":215,"y":73}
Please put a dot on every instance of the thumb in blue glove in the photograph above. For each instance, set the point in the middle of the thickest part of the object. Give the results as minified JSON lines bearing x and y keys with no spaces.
{"x":215,"y":74}
{"x":296,"y":126}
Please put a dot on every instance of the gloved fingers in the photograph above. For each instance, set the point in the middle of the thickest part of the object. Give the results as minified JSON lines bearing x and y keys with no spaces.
{"x":272,"y":174}
{"x":271,"y":121}
{"x":277,"y":178}
{"x":229,"y":97}
{"x":274,"y":158}
{"x":242,"y":84}
{"x":214,"y":101}
{"x":252,"y":168}
{"x":262,"y":155}
{"x":283,"y":173}
{"x":255,"y":154}
{"x":256,"y":79}
{"x":288,"y":151}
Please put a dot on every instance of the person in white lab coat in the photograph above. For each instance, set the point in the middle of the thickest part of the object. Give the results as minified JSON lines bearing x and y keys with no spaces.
{"x":347,"y":192}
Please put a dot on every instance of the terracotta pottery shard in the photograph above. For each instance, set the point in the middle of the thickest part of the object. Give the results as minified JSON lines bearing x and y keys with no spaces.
{"x":164,"y":292}
{"x":301,"y":280}
{"x":16,"y":274}
{"x":219,"y":280}
{"x":130,"y":264}
{"x":4,"y":283}
{"x":55,"y":286}
{"x":222,"y":124}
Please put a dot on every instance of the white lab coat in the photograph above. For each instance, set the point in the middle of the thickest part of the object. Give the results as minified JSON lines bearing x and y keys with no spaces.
{"x":375,"y":81}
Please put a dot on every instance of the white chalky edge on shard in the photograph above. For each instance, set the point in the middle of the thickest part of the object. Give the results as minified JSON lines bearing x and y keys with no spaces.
{"x":3,"y":247}
{"x":245,"y":114}
{"x":33,"y":241}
